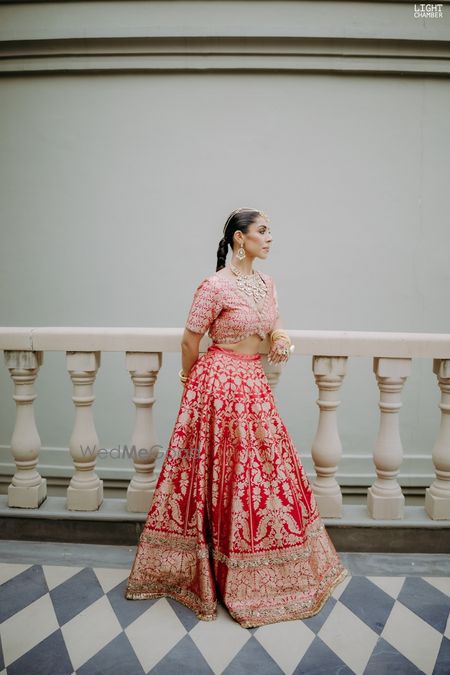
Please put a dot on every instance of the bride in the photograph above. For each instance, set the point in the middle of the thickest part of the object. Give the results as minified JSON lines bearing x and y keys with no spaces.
{"x":235,"y":521}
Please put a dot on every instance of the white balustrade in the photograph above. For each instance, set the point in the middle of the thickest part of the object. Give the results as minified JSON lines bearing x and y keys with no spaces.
{"x":85,"y":491}
{"x":144,"y":370}
{"x":272,"y":371}
{"x":326,"y":450}
{"x":437,"y":496}
{"x":144,"y":348}
{"x":385,"y":498}
{"x":28,"y":489}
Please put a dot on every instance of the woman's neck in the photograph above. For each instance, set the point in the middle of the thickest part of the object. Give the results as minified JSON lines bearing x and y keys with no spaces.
{"x":244,"y":266}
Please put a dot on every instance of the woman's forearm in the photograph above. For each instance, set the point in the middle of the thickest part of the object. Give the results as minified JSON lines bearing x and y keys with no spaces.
{"x":278,"y":324}
{"x":189,"y":356}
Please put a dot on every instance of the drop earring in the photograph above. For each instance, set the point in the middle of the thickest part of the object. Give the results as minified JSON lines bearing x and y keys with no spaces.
{"x":241,"y":253}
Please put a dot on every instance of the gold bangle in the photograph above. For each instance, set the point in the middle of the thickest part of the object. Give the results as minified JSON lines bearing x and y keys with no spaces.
{"x":279,"y":333}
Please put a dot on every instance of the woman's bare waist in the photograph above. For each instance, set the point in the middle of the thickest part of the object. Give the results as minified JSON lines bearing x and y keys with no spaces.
{"x":249,"y":345}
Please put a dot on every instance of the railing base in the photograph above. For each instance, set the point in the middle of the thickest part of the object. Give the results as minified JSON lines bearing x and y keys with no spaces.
{"x":112,"y":524}
{"x":436,"y":507}
{"x":82,"y":499}
{"x":138,"y":501}
{"x":386,"y":506}
{"x":27,"y":497}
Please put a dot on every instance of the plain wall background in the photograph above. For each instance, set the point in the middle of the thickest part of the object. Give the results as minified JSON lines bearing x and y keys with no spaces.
{"x":114,"y":190}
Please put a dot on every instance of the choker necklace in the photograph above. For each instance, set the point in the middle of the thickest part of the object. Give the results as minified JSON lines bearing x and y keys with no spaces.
{"x":251,"y":284}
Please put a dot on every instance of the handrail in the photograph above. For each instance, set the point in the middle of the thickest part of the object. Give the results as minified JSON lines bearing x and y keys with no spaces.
{"x":144,"y":339}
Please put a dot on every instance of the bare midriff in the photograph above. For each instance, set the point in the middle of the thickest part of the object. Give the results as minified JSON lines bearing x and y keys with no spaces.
{"x":250,"y":345}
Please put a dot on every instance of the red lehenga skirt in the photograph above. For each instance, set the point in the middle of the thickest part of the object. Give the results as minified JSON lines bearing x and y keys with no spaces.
{"x":233,"y":517}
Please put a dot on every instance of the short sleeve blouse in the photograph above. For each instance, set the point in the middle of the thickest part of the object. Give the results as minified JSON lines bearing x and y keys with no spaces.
{"x":227,"y":314}
{"x":205,"y":307}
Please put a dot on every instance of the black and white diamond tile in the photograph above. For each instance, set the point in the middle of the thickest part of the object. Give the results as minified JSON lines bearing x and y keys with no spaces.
{"x":75,"y":620}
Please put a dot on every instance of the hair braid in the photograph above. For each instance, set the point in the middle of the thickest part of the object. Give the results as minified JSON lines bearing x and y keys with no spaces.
{"x":222,"y":251}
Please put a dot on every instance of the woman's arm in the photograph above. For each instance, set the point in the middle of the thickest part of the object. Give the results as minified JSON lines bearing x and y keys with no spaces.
{"x":274,"y":356}
{"x":278,"y":323}
{"x":206,"y":306}
{"x":190,"y":343}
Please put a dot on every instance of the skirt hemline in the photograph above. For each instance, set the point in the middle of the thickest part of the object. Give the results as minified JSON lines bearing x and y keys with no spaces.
{"x":270,"y":618}
{"x":296,"y":614}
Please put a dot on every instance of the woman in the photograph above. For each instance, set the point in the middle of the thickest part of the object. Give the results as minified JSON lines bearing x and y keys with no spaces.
{"x":233,"y":516}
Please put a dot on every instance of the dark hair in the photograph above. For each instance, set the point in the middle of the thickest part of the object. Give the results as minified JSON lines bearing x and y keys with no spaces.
{"x":237,"y":220}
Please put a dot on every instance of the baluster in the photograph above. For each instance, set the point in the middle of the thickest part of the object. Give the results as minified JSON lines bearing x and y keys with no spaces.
{"x":144,"y":368}
{"x":28,"y":489}
{"x":85,"y":491}
{"x":385,"y":498}
{"x":326,"y":450}
{"x":272,"y":371}
{"x":437,"y":499}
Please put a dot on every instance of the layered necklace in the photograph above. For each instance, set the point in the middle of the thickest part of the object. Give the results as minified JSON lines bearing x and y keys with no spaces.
{"x":251,"y":284}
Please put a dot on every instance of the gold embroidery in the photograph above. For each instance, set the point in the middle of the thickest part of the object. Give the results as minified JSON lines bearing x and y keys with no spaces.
{"x":238,"y":514}
{"x":223,"y":310}
{"x":284,"y":584}
{"x":292,"y":610}
{"x":270,"y":557}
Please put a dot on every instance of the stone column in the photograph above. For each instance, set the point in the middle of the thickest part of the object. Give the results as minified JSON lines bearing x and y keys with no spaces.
{"x":437,"y":496}
{"x":85,"y":491}
{"x":143,"y":368}
{"x":27,"y":489}
{"x":385,"y":498}
{"x":272,"y":371}
{"x":326,"y":450}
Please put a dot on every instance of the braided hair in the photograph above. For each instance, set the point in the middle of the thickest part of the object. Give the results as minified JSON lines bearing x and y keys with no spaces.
{"x":240,"y":219}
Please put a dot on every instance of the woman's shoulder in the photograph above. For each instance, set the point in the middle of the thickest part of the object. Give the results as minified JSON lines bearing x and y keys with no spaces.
{"x":210,"y":279}
{"x":217,"y":280}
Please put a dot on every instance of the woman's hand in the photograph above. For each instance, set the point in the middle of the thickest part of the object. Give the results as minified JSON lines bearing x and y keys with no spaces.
{"x":276,"y":354}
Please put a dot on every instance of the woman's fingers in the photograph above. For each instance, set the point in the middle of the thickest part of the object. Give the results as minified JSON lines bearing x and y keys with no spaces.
{"x":274,"y":356}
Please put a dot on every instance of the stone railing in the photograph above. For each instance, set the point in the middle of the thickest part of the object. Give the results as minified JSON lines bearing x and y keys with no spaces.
{"x":392,"y":355}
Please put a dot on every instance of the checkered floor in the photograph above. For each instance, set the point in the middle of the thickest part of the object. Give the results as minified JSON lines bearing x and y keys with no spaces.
{"x":57,"y":619}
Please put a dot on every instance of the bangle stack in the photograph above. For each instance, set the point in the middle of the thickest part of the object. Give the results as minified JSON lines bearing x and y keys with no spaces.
{"x":281,"y":334}
{"x":183,"y":376}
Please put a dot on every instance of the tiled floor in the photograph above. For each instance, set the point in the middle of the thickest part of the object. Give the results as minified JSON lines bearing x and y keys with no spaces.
{"x":58,"y":617}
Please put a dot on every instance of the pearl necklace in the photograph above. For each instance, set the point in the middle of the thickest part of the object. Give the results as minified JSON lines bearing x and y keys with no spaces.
{"x":251,"y":284}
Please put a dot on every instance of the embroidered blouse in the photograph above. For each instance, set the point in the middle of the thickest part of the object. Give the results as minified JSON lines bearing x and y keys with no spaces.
{"x":228,"y":314}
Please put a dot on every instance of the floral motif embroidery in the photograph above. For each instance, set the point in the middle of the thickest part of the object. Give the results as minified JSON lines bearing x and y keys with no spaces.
{"x":219,"y":306}
{"x":238,"y":516}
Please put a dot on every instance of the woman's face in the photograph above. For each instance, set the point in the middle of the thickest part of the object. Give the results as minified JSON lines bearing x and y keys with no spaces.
{"x":257,"y":240}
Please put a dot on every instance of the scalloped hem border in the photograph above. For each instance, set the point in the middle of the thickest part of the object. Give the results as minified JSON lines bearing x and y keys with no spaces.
{"x":295,"y":615}
{"x":250,"y":623}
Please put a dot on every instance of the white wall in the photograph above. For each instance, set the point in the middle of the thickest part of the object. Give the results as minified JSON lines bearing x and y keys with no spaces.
{"x":115,"y":185}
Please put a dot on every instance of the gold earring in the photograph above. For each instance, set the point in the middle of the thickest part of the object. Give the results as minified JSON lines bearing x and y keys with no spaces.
{"x":241,"y":253}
